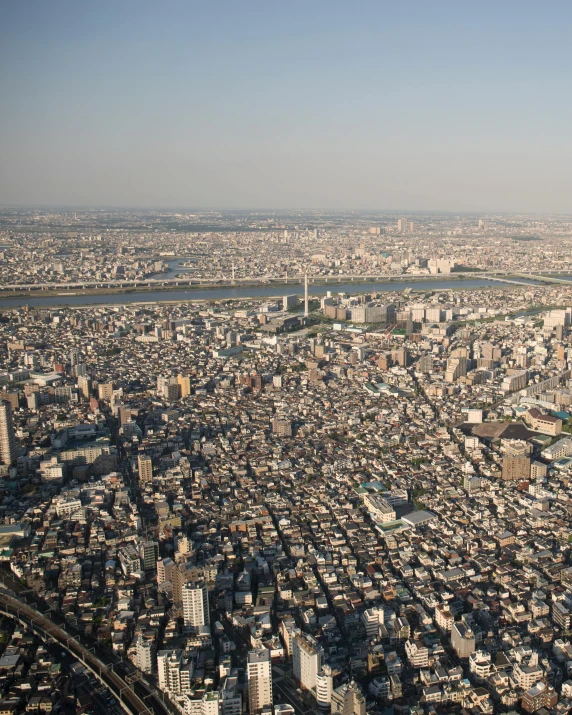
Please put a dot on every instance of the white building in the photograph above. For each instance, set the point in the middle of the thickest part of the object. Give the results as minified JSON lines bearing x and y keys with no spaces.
{"x":372,"y":618}
{"x":307,"y":657}
{"x":259,"y":676}
{"x":324,"y":687}
{"x":174,"y":672}
{"x":195,"y":606}
{"x":144,"y":654}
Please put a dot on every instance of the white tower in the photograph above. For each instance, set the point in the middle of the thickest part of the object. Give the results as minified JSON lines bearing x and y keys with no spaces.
{"x":306,"y":312}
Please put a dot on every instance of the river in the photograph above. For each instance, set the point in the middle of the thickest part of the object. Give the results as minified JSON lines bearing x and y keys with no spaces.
{"x":265,"y":291}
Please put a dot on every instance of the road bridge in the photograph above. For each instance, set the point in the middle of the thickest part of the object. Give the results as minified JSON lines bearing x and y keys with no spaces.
{"x":509,"y":280}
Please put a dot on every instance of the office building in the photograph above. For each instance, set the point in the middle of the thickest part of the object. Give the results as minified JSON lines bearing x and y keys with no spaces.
{"x":7,"y":436}
{"x":259,"y":678}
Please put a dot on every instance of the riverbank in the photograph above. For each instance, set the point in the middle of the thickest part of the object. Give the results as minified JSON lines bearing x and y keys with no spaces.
{"x":278,"y":284}
{"x":111,"y":296}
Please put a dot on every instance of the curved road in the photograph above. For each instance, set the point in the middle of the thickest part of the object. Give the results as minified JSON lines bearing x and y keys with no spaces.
{"x":126,"y":697}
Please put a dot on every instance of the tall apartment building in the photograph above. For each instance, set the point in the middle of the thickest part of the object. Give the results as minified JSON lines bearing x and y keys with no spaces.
{"x":516,"y":381}
{"x":425,"y":364}
{"x":456,"y":368}
{"x":145,"y":467}
{"x":84,"y":386}
{"x":105,"y":391}
{"x":195,"y":605}
{"x":444,"y":617}
{"x":165,"y":568}
{"x":372,"y":619}
{"x":7,"y":436}
{"x":515,"y":467}
{"x":324,"y":687}
{"x":307,"y":657}
{"x":348,"y":699}
{"x":149,"y":553}
{"x":282,"y":427}
{"x":184,"y":385}
{"x":259,"y":675}
{"x":174,"y":672}
{"x":463,"y":639}
{"x":144,"y":654}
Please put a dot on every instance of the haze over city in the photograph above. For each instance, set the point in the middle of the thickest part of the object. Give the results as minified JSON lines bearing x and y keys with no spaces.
{"x":285,"y":358}
{"x":440,"y":106}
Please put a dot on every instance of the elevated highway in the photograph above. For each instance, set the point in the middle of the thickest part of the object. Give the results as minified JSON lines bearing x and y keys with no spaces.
{"x":133,"y":694}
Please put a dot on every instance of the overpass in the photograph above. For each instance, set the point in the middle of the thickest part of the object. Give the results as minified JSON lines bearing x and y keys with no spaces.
{"x":29,"y":617}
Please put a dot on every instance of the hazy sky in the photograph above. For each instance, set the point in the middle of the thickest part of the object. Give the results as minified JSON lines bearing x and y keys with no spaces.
{"x":287,"y":103}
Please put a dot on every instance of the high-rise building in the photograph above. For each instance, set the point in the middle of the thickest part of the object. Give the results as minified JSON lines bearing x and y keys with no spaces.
{"x":144,"y":654}
{"x":13,"y":397}
{"x":149,"y":553}
{"x":463,"y":639}
{"x":515,"y":467}
{"x":289,"y":301}
{"x":7,"y":436}
{"x":165,"y":568}
{"x":84,"y":385}
{"x":259,"y":674}
{"x":282,"y":427}
{"x":174,"y":672}
{"x":348,"y":699}
{"x":425,"y":363}
{"x":400,"y":225}
{"x":124,"y":414}
{"x":105,"y":391}
{"x":184,"y":385}
{"x":324,"y":687}
{"x":195,"y":605}
{"x":145,"y":467}
{"x":307,"y":657}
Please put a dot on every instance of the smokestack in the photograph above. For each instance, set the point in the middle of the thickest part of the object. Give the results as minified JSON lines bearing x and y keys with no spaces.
{"x":306,"y":294}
